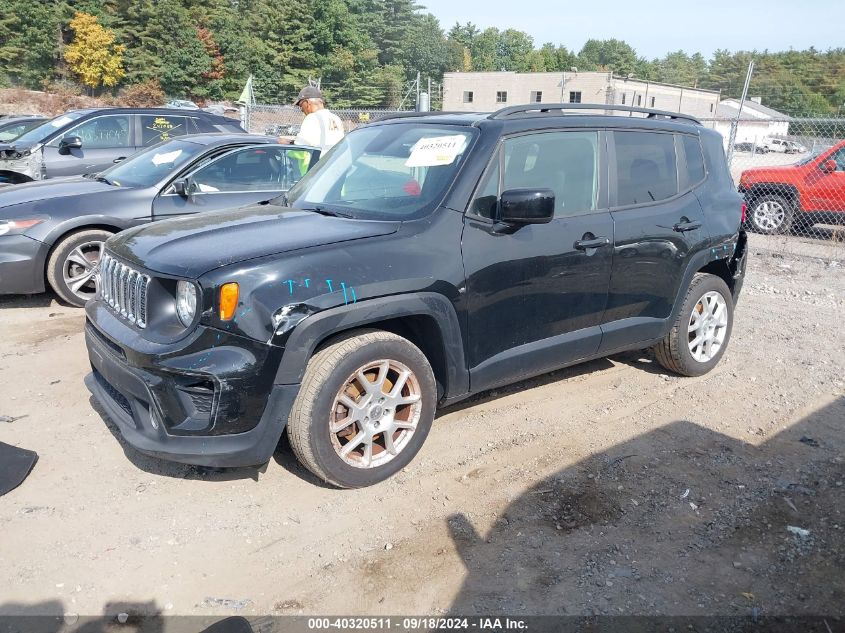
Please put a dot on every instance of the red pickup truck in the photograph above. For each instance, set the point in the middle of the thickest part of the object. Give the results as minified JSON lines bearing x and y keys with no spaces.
{"x":812,"y":191}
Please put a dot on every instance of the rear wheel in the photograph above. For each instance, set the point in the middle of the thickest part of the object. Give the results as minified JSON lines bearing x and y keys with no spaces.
{"x":702,"y":330}
{"x":73,"y":265}
{"x":364,"y":409}
{"x":770,"y":214}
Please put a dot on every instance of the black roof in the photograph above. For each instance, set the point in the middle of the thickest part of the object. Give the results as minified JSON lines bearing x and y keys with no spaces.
{"x":551,"y":115}
{"x":224,"y":138}
{"x":19,"y":119}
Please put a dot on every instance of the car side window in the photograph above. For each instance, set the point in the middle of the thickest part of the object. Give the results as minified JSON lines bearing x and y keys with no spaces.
{"x":839,"y":159}
{"x":646,"y":169}
{"x":694,"y":159}
{"x":565,"y":162}
{"x":100,"y":133}
{"x":163,"y":128}
{"x":269,"y":168}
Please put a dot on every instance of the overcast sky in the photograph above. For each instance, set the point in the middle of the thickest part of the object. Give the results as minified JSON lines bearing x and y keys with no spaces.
{"x":656,"y":28}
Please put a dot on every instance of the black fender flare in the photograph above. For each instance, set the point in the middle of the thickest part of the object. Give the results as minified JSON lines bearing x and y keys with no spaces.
{"x":312,"y":330}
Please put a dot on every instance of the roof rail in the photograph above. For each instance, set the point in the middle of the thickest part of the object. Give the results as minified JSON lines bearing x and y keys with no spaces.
{"x":411,"y":114}
{"x":544,"y":108}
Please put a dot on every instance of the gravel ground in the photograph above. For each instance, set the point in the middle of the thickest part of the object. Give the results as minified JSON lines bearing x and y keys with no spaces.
{"x":611,"y":487}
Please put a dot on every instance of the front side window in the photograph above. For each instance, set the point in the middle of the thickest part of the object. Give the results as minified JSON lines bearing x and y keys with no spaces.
{"x":501,"y":96}
{"x":100,"y":133}
{"x":155,"y":129}
{"x":565,"y":162}
{"x":468,"y":96}
{"x":645,"y":167}
{"x":839,"y":159}
{"x":575,"y":97}
{"x":385,"y":172}
{"x":265,"y":168}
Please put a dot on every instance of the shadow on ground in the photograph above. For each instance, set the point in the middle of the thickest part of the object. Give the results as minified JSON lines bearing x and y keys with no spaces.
{"x":682,"y":521}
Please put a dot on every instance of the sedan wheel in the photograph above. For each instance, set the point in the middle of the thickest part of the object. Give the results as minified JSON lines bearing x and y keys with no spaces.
{"x":74,"y":265}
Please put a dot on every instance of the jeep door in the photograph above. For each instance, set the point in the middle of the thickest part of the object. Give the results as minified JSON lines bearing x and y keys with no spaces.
{"x":238,"y":178}
{"x":105,"y":138}
{"x":658,"y":226}
{"x":825,"y":190}
{"x":536,"y":293}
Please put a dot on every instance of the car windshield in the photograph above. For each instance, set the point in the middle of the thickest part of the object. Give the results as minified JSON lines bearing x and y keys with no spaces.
{"x":385,"y":172}
{"x":40,"y":133}
{"x":150,"y":166}
{"x":810,"y":158}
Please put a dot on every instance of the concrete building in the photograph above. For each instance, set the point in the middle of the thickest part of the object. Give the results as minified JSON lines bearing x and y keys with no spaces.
{"x":756,"y":124}
{"x":486,"y":92}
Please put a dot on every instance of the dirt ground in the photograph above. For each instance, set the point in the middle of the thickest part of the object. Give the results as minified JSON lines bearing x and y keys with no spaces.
{"x":607,"y":488}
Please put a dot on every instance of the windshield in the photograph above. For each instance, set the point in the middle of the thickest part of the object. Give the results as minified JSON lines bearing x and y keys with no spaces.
{"x":385,"y":172}
{"x":152,"y":165}
{"x":811,"y":157}
{"x":38,"y":134}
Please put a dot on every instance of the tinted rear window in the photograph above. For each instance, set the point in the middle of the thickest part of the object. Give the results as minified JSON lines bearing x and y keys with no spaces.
{"x":695,"y":160}
{"x":645,"y":167}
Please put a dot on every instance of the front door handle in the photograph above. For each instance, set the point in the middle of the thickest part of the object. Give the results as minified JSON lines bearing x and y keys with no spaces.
{"x":591,"y":242}
{"x":686,"y":225}
{"x":118,"y":159}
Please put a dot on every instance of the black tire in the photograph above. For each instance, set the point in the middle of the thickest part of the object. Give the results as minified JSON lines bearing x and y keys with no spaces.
{"x":90,"y":242}
{"x":769,"y":220}
{"x":332,"y":367}
{"x":673,"y":352}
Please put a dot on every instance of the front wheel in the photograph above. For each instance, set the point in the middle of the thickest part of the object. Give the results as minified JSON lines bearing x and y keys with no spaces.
{"x":364,"y":409}
{"x":771,"y":214}
{"x":73,"y":265}
{"x":702,"y":330}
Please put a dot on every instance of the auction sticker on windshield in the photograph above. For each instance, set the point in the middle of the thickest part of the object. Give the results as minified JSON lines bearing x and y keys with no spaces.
{"x":435,"y":151}
{"x":166,"y":157}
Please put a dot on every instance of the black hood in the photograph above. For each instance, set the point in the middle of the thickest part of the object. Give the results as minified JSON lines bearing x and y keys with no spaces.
{"x":193,"y":245}
{"x":50,"y":190}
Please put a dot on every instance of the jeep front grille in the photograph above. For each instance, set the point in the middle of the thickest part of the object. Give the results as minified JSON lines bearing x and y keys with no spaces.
{"x":125,"y":290}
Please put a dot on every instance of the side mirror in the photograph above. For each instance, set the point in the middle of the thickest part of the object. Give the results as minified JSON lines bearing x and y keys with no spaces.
{"x":182,"y":187}
{"x":527,"y":206}
{"x":71,"y":142}
{"x":828,"y":166}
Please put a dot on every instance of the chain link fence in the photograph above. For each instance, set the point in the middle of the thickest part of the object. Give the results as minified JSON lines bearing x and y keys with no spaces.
{"x":282,"y":120}
{"x":792,"y":174}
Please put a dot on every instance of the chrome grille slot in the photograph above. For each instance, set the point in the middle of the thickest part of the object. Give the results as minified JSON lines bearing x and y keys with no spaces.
{"x":124,"y":289}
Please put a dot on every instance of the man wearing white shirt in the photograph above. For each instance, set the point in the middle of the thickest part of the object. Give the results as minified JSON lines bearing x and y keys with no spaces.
{"x":320,"y":128}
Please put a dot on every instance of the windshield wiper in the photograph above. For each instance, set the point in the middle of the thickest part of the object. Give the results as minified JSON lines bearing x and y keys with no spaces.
{"x":327,"y":212}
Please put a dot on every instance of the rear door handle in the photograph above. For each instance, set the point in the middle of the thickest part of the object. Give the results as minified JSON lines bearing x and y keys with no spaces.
{"x":686,"y":225}
{"x":595,"y":242}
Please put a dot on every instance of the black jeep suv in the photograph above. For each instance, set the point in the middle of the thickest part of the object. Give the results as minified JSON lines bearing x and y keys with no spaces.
{"x":422,"y":260}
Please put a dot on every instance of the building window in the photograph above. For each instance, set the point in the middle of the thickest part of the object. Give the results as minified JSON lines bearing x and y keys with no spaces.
{"x":652,"y":102}
{"x":639,"y":100}
{"x":711,"y":107}
{"x":468,"y":96}
{"x":501,"y":96}
{"x":536,"y":96}
{"x":623,"y":98}
{"x":575,"y":97}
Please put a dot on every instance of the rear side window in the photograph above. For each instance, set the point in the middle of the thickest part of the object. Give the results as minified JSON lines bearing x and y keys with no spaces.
{"x":155,"y":128}
{"x":694,"y":160}
{"x":645,"y":167}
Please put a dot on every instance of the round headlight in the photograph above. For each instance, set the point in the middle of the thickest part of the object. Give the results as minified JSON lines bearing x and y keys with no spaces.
{"x":186,"y":302}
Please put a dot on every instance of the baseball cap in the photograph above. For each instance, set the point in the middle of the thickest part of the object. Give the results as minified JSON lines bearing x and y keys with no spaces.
{"x":308,"y":92}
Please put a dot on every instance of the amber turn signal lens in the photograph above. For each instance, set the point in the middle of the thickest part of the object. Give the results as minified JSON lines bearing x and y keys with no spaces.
{"x":228,"y":300}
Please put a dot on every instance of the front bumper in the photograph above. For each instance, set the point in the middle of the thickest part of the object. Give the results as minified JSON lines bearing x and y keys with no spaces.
{"x":22,"y":265}
{"x":207,"y":400}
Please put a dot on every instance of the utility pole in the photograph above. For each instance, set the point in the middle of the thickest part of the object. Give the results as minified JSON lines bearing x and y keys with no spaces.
{"x":735,"y":124}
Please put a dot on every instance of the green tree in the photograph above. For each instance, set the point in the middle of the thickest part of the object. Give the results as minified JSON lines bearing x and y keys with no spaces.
{"x":613,"y":55}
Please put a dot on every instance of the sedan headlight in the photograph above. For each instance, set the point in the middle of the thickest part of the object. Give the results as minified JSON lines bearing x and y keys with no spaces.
{"x":19,"y":226}
{"x":186,"y":302}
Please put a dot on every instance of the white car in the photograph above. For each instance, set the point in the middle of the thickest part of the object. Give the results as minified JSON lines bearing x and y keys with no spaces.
{"x":783,"y":146}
